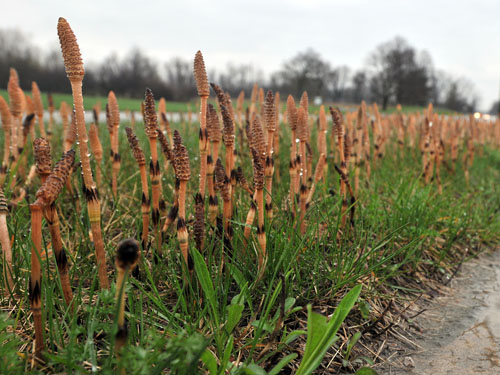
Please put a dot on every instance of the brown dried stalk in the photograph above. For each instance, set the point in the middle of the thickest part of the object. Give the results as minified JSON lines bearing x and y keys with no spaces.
{"x":141,"y":162}
{"x":183,"y":174}
{"x":114,"y":115}
{"x":75,"y":72}
{"x":6,"y":117}
{"x":215,"y":137}
{"x":202,"y":85}
{"x":127,"y":257}
{"x":95,"y":145}
{"x":270,"y":119}
{"x":5,"y":242}
{"x":38,"y":104}
{"x":151,"y":126}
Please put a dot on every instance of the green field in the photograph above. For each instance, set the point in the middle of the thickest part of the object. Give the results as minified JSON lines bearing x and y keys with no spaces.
{"x":90,"y":101}
{"x":135,"y":104}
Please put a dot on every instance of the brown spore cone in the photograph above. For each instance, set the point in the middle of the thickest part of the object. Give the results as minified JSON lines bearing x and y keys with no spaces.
{"x":43,"y":160}
{"x":71,"y":51}
{"x":270,"y":111}
{"x":150,"y":119}
{"x":181,"y":159}
{"x":200,"y":75}
{"x":213,"y":125}
{"x":127,"y":253}
{"x":134,"y":145}
{"x":49,"y":191}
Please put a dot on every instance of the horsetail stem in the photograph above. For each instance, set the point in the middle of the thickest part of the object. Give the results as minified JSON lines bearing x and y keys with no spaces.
{"x":74,"y":70}
{"x":183,"y":174}
{"x":151,"y":126}
{"x":141,"y":162}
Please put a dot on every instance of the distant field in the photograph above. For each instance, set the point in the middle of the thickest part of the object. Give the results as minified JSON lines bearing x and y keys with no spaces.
{"x":90,"y":101}
{"x":135,"y":104}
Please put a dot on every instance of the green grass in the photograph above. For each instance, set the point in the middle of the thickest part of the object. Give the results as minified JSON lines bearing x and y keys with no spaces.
{"x":223,"y":316}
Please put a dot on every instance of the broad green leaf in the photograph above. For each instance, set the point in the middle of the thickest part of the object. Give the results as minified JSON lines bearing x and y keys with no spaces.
{"x":321,"y":335}
{"x":233,"y":317}
{"x":206,"y":283}
{"x":253,"y":369}
{"x":208,"y":358}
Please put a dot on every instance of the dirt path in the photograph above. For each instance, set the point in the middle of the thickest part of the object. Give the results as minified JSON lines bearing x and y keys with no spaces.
{"x":461,"y":331}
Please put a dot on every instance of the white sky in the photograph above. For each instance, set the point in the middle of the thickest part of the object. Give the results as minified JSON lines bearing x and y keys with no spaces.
{"x":462,"y":36}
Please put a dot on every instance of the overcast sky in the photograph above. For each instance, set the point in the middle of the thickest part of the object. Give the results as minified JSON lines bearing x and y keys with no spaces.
{"x":462,"y":36}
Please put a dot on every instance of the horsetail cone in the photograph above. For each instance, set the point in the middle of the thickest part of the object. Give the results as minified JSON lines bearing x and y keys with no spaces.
{"x":182,"y":168}
{"x":337,"y":122}
{"x":200,"y":75}
{"x":43,"y":160}
{"x":165,"y":147}
{"x":221,"y":181}
{"x":127,"y":254}
{"x":15,"y":95}
{"x":53,"y":185}
{"x":304,"y":101}
{"x":258,"y":142}
{"x":71,"y":51}
{"x":95,"y":143}
{"x":228,"y":127}
{"x":270,"y":112}
{"x":302,"y":124}
{"x":150,"y":118}
{"x":134,"y":145}
{"x":213,"y":125}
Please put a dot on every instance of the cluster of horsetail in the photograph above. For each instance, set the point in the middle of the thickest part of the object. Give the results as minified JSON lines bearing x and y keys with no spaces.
{"x":346,"y":149}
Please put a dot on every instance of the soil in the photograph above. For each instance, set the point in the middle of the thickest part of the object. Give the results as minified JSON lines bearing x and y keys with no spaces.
{"x":459,"y":331}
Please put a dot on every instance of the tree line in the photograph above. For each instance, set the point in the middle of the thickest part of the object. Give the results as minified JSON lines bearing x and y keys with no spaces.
{"x":394,"y":72}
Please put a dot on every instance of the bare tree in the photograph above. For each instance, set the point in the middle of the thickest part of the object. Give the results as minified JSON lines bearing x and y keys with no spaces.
{"x":397,"y":76}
